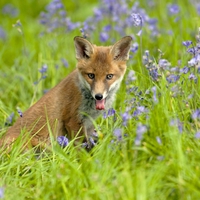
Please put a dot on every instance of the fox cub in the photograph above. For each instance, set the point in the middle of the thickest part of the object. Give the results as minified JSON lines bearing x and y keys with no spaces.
{"x":67,"y":108}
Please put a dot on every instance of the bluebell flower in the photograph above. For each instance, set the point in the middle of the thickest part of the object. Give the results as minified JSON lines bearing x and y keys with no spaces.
{"x":198,"y":69}
{"x":173,"y":78}
{"x":192,"y":77}
{"x":107,"y":28}
{"x":192,"y":50}
{"x":140,"y":110}
{"x":177,"y":123}
{"x":56,"y":17}
{"x":154,"y":90}
{"x":137,"y":19}
{"x":140,"y":130}
{"x":197,"y":135}
{"x":153,"y":72}
{"x":134,"y":47}
{"x":184,"y":70}
{"x":98,"y":14}
{"x":104,"y":36}
{"x":62,"y":141}
{"x":9,"y":9}
{"x":164,"y":64}
{"x":83,"y":33}
{"x":92,"y":142}
{"x":193,"y":62}
{"x":9,"y":119}
{"x":198,"y":8}
{"x":2,"y":33}
{"x":125,"y":118}
{"x":173,"y":9}
{"x":19,"y":112}
{"x":187,"y":43}
{"x":158,"y":140}
{"x":1,"y":192}
{"x":174,"y":69}
{"x":111,"y":112}
{"x":196,"y":114}
{"x":130,"y":77}
{"x":118,"y":134}
{"x":43,"y":69}
{"x":64,"y":62}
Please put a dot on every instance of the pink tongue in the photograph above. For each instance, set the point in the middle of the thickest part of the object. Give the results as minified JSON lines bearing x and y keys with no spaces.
{"x":100,"y":104}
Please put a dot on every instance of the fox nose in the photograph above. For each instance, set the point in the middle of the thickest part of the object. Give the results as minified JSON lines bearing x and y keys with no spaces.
{"x":98,"y":96}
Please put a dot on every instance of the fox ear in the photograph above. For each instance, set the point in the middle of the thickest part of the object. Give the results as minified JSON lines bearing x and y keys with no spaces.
{"x":120,"y":50}
{"x":83,"y":47}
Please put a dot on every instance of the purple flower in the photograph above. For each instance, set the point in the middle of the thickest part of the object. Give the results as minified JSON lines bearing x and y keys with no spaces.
{"x":173,"y":9}
{"x":184,"y":70}
{"x":140,"y":130}
{"x":134,"y":47}
{"x":111,"y":112}
{"x":19,"y":112}
{"x":118,"y":134}
{"x":131,"y":76}
{"x":177,"y":123}
{"x":164,"y":64}
{"x":107,"y":28}
{"x":139,"y":110}
{"x":43,"y":69}
{"x":125,"y":118}
{"x":198,"y":69}
{"x":138,"y":15}
{"x":98,"y":14}
{"x":92,"y":142}
{"x":198,"y":8}
{"x":197,"y":135}
{"x":64,"y":62}
{"x":55,"y":17}
{"x":83,"y":33}
{"x":192,"y":77}
{"x":137,"y":21}
{"x":154,"y":90}
{"x":62,"y":141}
{"x":187,"y":43}
{"x":158,"y":140}
{"x":9,"y":9}
{"x":173,"y":78}
{"x":2,"y":33}
{"x":193,"y":62}
{"x":104,"y":37}
{"x":153,"y":72}
{"x":192,"y":50}
{"x":10,"y":118}
{"x":196,"y":114}
{"x":1,"y":192}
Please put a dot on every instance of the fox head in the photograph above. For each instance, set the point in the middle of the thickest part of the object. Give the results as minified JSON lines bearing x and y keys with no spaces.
{"x":101,"y":69}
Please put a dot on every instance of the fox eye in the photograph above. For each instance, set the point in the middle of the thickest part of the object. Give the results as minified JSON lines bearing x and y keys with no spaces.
{"x":109,"y":76}
{"x":91,"y":76}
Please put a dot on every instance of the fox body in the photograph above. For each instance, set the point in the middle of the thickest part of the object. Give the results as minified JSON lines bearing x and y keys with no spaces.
{"x":67,"y":109}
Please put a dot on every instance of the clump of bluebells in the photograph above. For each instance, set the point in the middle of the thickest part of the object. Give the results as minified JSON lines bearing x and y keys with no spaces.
{"x":120,"y":18}
{"x":140,"y":103}
{"x":55,"y":18}
{"x":43,"y":73}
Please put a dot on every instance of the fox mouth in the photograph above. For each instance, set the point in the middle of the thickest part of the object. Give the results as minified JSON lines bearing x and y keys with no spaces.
{"x":100,"y":104}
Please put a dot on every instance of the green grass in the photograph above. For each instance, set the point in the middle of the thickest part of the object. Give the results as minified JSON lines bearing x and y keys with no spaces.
{"x":113,"y":169}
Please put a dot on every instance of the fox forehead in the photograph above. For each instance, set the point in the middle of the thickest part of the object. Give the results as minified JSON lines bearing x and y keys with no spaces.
{"x":101,"y":62}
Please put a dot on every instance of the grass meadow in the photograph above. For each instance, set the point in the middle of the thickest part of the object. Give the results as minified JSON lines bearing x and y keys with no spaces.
{"x":149,"y":143}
